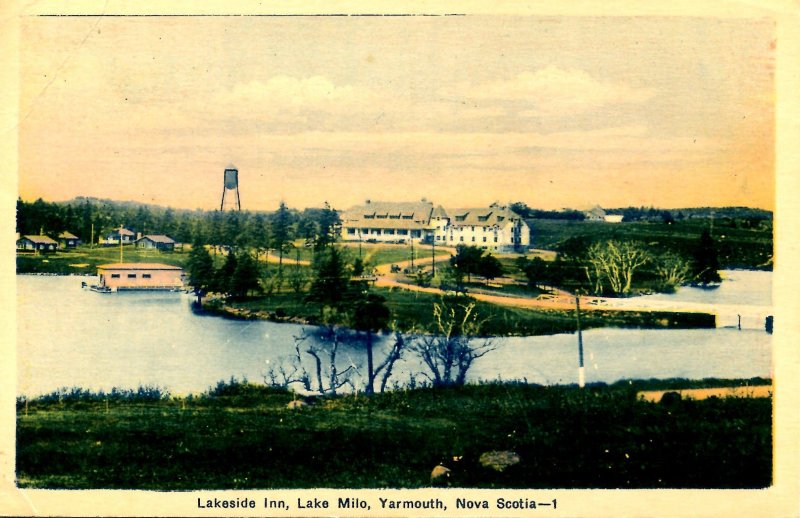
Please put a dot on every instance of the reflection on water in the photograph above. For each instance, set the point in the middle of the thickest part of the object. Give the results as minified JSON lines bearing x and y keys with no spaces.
{"x":73,"y":337}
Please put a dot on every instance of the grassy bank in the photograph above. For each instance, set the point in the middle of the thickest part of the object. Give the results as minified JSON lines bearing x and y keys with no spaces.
{"x":244,"y":436}
{"x":413,"y":311}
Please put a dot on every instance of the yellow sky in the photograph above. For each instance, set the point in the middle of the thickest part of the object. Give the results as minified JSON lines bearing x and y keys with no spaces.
{"x":552,"y":111}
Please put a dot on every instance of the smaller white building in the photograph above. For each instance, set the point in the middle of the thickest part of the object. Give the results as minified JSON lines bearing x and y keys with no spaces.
{"x":496,"y":228}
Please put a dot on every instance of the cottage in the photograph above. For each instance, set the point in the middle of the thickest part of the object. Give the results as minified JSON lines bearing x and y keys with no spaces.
{"x":126,"y":236}
{"x":43,"y":244}
{"x":155,"y":241}
{"x":388,"y":222}
{"x":68,"y":240}
{"x":139,"y":276}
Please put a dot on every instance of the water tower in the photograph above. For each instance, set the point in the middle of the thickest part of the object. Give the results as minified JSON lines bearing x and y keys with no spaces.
{"x":230,"y":182}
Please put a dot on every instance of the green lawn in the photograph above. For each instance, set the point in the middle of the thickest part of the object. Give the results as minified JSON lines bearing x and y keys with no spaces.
{"x":84,"y":260}
{"x":244,"y":437}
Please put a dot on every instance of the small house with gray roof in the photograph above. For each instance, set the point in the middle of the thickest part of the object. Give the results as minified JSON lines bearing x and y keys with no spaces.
{"x":41,"y":243}
{"x":156,"y":241}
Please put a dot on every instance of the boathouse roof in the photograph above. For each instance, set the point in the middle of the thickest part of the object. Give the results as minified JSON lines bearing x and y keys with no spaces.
{"x":138,"y":266}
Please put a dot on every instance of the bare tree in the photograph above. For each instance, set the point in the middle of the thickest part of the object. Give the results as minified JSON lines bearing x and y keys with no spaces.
{"x":388,"y":362}
{"x":451,"y":350}
{"x":616,"y":262}
{"x":326,"y":344}
{"x":289,"y":371}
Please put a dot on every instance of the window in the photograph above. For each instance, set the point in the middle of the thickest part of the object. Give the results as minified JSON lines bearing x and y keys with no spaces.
{"x":461,"y":238}
{"x":146,"y":276}
{"x":484,"y":239}
{"x":115,"y":276}
{"x":473,"y":239}
{"x":495,"y":239}
{"x":131,"y":276}
{"x":351,"y":231}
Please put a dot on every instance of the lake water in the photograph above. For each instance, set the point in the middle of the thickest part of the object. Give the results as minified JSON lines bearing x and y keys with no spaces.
{"x":70,"y":337}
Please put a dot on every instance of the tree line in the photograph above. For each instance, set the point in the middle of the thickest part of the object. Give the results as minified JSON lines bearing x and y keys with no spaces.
{"x":92,"y":219}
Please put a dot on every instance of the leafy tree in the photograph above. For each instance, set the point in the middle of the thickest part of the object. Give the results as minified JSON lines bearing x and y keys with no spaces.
{"x":201,"y":272}
{"x":245,"y":276}
{"x":467,"y":260}
{"x":536,"y":272}
{"x":705,"y":268}
{"x":489,"y":267}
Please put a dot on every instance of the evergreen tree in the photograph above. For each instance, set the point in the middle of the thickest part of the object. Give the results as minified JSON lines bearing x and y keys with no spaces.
{"x":281,"y":232}
{"x":224,"y":276}
{"x":331,"y":277}
{"x":328,"y":224}
{"x":705,"y":267}
{"x":201,"y":270}
{"x":245,"y":276}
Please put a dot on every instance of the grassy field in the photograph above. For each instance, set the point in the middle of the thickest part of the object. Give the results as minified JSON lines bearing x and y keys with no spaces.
{"x":84,"y":260}
{"x":738,"y":247}
{"x":244,"y":436}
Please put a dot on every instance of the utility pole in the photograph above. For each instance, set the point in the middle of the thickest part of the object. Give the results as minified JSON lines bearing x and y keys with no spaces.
{"x":433,"y":253}
{"x":581,"y":375}
{"x":412,"y":253}
{"x":120,"y":243}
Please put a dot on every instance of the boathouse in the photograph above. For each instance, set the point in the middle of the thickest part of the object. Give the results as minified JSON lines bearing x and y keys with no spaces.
{"x":140,"y":276}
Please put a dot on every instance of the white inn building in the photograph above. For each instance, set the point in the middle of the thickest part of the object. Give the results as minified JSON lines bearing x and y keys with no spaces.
{"x":495,"y":227}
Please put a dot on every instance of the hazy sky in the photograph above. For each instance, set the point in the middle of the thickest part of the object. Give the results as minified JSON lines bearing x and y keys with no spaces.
{"x":555,"y":112}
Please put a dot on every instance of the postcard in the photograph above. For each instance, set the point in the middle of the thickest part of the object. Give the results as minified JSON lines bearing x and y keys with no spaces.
{"x":381,"y":259}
